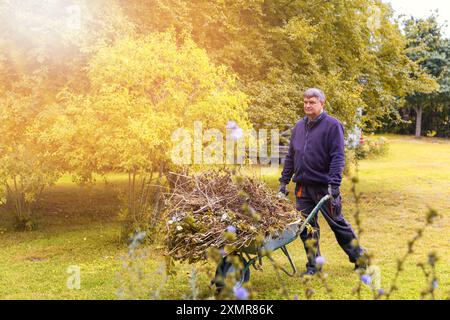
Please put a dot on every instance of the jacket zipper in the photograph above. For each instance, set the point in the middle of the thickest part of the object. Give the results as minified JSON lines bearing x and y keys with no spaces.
{"x":304,"y":147}
{"x":306,"y":139}
{"x":304,"y":151}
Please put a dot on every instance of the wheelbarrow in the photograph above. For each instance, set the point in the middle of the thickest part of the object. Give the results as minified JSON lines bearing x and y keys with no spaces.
{"x":254,"y":253}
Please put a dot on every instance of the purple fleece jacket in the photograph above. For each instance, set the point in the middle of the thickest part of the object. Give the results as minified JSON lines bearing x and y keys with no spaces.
{"x":316,"y":152}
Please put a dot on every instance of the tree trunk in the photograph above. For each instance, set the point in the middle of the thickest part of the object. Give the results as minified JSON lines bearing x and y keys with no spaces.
{"x":9,"y":198}
{"x":419,"y":111}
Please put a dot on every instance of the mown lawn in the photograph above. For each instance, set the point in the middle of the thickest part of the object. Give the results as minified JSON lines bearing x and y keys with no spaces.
{"x":79,"y":227}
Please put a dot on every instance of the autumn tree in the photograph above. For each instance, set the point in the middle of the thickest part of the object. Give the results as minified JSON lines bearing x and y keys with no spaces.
{"x":141,"y":91}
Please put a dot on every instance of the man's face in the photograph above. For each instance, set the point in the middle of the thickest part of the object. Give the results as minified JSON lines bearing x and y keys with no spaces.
{"x":313,"y":107}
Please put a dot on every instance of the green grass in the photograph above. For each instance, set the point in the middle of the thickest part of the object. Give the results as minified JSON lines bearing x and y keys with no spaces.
{"x":78,"y":226}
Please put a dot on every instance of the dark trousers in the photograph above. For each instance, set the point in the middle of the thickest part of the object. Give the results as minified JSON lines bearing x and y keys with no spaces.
{"x":307,"y":197}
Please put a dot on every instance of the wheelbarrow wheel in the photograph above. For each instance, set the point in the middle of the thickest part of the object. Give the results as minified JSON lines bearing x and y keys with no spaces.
{"x":225,"y":268}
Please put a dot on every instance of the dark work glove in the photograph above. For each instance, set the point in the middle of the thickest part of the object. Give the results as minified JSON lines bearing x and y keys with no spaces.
{"x":334,"y":191}
{"x":283,"y":189}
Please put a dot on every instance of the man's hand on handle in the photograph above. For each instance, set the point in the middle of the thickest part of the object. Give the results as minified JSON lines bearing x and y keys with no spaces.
{"x":283,"y":191}
{"x":334,"y":193}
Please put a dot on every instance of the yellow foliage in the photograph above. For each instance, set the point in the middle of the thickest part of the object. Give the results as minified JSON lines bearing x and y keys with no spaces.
{"x":142,"y":90}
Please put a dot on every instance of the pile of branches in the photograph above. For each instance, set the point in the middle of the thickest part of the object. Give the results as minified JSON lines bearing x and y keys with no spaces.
{"x":219,"y":209}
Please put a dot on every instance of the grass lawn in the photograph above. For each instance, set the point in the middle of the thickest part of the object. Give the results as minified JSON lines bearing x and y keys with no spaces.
{"x":79,"y":227}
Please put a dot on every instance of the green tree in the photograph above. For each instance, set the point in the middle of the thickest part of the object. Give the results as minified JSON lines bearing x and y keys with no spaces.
{"x":428,"y":47}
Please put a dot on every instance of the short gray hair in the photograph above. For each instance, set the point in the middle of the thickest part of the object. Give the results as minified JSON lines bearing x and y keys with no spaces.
{"x":316,"y":93}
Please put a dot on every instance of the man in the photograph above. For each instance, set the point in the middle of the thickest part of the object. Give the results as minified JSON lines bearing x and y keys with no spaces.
{"x":316,"y":160}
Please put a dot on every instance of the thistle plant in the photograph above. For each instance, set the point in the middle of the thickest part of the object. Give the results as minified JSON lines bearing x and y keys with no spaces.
{"x":194,"y":291}
{"x":320,"y":275}
{"x":277,"y":269}
{"x":429,"y":271}
{"x":431,"y":216}
{"x":134,"y":279}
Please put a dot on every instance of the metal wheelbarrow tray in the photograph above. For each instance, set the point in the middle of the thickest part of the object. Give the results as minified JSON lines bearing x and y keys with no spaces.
{"x":270,"y":244}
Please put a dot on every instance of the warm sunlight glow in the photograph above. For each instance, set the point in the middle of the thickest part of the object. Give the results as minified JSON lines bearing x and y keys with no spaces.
{"x":47,"y":22}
